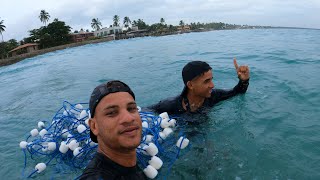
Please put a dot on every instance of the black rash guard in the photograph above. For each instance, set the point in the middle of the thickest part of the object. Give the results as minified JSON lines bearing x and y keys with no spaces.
{"x":173,"y":105}
{"x":103,"y":168}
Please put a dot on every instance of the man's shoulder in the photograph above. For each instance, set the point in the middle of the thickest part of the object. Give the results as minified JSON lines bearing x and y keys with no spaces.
{"x":173,"y":99}
{"x":96,"y":174}
{"x":109,"y":174}
{"x":97,"y":169}
{"x":170,"y":105}
{"x":102,"y":168}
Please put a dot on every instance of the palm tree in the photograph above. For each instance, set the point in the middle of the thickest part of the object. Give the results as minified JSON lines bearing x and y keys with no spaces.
{"x":134,"y":23}
{"x":181,"y":23}
{"x":2,"y":27}
{"x":116,"y":20}
{"x":95,"y":24}
{"x":162,"y":22}
{"x":126,"y":21}
{"x":44,"y":16}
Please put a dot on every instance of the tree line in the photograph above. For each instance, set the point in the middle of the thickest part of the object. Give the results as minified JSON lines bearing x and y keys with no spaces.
{"x":58,"y":32}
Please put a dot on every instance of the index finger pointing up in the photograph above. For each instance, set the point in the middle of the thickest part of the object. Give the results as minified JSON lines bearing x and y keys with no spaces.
{"x":235,"y":63}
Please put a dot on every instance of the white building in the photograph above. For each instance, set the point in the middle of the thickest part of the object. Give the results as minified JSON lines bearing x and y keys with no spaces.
{"x":107,"y":31}
{"x":135,"y":28}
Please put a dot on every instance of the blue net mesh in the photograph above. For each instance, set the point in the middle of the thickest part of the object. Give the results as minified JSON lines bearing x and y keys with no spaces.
{"x":65,"y":145}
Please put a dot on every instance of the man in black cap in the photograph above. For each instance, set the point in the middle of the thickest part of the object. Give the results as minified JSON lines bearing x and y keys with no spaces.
{"x":198,"y":94}
{"x":115,"y":124}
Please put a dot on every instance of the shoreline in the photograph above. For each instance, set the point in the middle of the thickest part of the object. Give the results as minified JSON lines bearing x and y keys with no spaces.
{"x":18,"y":58}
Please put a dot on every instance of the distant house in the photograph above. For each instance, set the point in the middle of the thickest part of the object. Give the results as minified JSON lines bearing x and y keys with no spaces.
{"x":107,"y":31}
{"x":128,"y":29}
{"x":184,"y":28}
{"x":81,"y":36}
{"x":137,"y":33}
{"x":135,"y":28}
{"x":26,"y":48}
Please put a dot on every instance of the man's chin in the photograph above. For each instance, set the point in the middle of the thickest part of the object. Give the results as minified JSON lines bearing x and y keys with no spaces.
{"x":131,"y":144}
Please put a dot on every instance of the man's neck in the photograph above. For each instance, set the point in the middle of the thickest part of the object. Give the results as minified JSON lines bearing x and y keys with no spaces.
{"x":195,"y":101}
{"x":125,"y":158}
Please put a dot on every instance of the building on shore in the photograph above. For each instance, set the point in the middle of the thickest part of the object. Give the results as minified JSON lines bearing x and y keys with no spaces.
{"x":185,"y":28}
{"x":81,"y":36}
{"x":26,"y":48}
{"x":104,"y":32}
{"x":137,"y":33}
{"x":134,"y":28}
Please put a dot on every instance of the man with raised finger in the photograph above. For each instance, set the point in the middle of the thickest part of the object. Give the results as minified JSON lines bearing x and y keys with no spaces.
{"x":199,"y":93}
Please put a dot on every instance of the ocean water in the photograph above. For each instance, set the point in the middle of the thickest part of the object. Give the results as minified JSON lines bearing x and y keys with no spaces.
{"x":271,"y":132}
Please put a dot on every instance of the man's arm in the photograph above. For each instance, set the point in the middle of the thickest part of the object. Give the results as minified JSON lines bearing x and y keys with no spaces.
{"x":221,"y":94}
{"x":153,"y":108}
{"x":170,"y":105}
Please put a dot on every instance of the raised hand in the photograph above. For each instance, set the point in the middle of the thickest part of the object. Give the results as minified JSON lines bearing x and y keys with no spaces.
{"x":242,"y":71}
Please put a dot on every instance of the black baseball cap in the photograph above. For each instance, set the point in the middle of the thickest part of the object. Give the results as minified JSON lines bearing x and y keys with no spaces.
{"x":192,"y":70}
{"x":103,"y":90}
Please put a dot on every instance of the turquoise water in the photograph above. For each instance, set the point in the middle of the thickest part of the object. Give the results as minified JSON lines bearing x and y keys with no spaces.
{"x":271,"y":132}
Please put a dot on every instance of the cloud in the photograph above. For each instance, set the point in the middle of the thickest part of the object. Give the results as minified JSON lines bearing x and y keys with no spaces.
{"x":79,"y":13}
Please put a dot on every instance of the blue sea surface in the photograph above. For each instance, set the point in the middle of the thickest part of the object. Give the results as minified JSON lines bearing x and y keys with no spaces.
{"x":271,"y":132}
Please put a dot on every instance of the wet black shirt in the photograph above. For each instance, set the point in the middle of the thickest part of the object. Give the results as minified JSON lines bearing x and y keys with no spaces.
{"x":173,"y":105}
{"x":101,"y":167}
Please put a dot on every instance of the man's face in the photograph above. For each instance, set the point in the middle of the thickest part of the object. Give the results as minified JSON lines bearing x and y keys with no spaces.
{"x":203,"y":85}
{"x":117,"y":123}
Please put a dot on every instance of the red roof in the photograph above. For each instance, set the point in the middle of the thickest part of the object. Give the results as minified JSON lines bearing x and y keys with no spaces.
{"x":24,"y":46}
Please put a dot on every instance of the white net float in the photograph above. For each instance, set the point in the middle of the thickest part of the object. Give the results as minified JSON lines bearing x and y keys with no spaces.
{"x":150,"y":172}
{"x":182,"y":142}
{"x":34,"y":132}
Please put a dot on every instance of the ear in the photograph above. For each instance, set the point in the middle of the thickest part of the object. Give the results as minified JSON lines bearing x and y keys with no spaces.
{"x":93,"y":126}
{"x":190,"y":85}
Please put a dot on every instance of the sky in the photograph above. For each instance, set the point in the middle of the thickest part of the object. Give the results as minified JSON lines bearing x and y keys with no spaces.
{"x":20,"y":16}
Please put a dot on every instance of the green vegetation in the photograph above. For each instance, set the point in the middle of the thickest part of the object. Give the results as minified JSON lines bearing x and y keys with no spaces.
{"x":181,"y":23}
{"x":140,"y":23}
{"x":162,"y":21}
{"x":44,"y":16}
{"x":5,"y":47}
{"x":96,"y":24}
{"x":214,"y":26}
{"x":58,"y":33}
{"x":116,"y":19}
{"x":2,"y":27}
{"x":126,"y":21}
{"x":55,"y":34}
